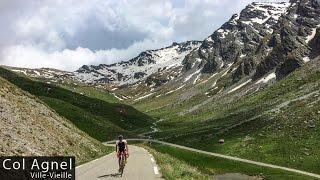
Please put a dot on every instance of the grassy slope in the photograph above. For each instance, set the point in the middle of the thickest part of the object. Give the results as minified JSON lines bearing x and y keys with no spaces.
{"x":29,"y":128}
{"x":97,"y":93}
{"x":271,"y":125}
{"x":100,"y":119}
{"x":181,"y":164}
{"x":285,"y":137}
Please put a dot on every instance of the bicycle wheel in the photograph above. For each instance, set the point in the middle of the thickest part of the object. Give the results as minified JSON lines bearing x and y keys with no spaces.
{"x":122,"y":164}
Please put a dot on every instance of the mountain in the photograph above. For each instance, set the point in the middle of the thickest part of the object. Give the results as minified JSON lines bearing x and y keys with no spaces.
{"x":265,"y":40}
{"x":49,"y":75}
{"x":262,"y":44}
{"x":254,"y":86}
{"x":253,"y":83}
{"x":31,"y":128}
{"x":165,"y":60}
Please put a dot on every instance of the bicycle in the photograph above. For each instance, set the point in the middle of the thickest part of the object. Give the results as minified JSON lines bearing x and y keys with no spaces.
{"x":122,"y":163}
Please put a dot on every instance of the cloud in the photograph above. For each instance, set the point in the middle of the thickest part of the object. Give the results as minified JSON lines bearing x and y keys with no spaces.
{"x":66,"y":34}
{"x":32,"y":57}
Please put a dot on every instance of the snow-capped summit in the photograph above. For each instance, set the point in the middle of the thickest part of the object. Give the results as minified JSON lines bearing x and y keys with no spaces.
{"x":138,"y":68}
{"x":242,"y":32}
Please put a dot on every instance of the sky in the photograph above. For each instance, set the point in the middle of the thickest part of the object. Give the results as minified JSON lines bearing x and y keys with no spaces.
{"x":66,"y":34}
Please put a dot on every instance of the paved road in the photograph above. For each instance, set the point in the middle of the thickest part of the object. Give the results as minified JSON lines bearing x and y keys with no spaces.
{"x":141,"y":165}
{"x":227,"y":157}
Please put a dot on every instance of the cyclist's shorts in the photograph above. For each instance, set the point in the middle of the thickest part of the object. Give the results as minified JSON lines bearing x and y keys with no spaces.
{"x":125,"y":153}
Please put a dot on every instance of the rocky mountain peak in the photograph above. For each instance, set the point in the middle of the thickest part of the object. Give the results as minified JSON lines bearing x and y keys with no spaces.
{"x":238,"y":37}
{"x":139,"y":68}
{"x":261,"y":38}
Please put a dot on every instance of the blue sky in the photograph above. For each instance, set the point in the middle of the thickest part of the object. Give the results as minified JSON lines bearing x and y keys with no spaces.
{"x":66,"y":34}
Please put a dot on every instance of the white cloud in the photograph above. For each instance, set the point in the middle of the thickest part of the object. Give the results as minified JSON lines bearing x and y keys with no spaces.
{"x":33,"y":57}
{"x":66,"y":34}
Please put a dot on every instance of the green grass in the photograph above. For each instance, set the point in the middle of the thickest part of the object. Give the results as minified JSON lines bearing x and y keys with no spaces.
{"x":251,"y":129}
{"x":173,"y":168}
{"x":100,"y":119}
{"x":287,"y":136}
{"x":199,"y":166}
{"x":97,"y":93}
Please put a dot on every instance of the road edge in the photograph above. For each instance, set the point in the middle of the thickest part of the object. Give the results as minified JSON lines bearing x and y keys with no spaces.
{"x":226,"y":157}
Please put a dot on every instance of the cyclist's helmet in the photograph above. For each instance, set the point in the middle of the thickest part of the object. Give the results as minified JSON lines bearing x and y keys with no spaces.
{"x":120,"y":137}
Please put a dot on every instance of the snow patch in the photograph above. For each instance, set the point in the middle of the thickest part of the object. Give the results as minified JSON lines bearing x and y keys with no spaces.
{"x":169,"y":92}
{"x":143,"y":97}
{"x":225,"y":73}
{"x":267,"y":78}
{"x":209,"y":39}
{"x":196,"y":79}
{"x":269,"y":10}
{"x":190,"y":76}
{"x":198,"y":60}
{"x":306,"y":59}
{"x":117,"y":97}
{"x":243,"y":55}
{"x":240,"y":86}
{"x":20,"y":71}
{"x":312,"y":35}
{"x":214,"y":84}
{"x":37,"y":73}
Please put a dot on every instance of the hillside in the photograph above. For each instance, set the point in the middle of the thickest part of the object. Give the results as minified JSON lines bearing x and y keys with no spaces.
{"x":100,"y":119}
{"x":262,"y":99}
{"x":30,"y":128}
{"x":279,"y":124}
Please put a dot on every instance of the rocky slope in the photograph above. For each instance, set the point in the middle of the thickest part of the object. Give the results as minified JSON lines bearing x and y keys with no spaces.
{"x":240,"y":37}
{"x":28,"y":127}
{"x":264,"y":37}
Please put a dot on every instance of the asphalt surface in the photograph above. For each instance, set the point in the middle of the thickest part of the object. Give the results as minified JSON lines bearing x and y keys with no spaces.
{"x":140,"y":166}
{"x":227,"y":157}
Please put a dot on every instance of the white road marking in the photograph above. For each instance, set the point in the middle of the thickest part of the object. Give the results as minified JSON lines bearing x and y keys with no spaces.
{"x":155,"y":169}
{"x":91,"y":161}
{"x":152,"y":160}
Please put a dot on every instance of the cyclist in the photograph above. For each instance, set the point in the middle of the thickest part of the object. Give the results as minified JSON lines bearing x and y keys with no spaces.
{"x":122,"y":147}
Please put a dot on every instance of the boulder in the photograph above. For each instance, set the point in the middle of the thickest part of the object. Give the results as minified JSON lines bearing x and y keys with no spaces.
{"x":221,"y":141}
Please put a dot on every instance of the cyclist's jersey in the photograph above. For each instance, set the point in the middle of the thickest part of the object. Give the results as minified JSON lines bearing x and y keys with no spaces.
{"x":121,"y":145}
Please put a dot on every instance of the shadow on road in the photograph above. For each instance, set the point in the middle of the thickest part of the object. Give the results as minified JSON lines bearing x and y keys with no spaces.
{"x":110,"y":175}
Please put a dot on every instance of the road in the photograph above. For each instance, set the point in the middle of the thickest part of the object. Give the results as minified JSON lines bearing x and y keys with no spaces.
{"x":140,"y":165}
{"x":227,"y":157}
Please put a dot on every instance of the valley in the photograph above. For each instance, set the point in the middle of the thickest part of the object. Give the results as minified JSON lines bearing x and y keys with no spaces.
{"x":251,"y":89}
